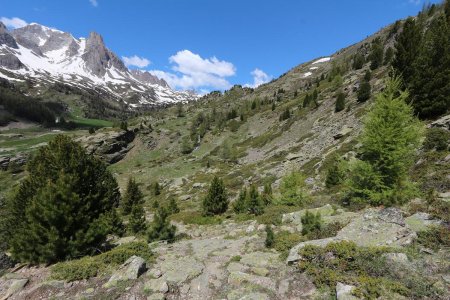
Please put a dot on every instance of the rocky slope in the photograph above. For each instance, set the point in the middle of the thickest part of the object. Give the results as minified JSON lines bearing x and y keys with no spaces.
{"x":44,"y":56}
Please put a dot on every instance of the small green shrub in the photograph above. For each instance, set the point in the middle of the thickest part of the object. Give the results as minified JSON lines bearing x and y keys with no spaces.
{"x":284,"y":241}
{"x":91,"y":266}
{"x":437,"y":138}
{"x":236,"y":258}
{"x":311,"y":222}
{"x":293,"y":189}
{"x":270,"y":237}
{"x":435,"y":237}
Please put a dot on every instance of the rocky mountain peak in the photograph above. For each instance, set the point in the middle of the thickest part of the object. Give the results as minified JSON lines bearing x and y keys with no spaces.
{"x":147,"y":77}
{"x":6,"y":38}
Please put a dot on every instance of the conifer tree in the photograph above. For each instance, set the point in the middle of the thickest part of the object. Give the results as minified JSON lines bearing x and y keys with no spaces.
{"x":430,"y":84}
{"x":293,"y":189}
{"x":64,"y":208}
{"x":137,"y":223}
{"x":270,"y":237}
{"x":407,"y":47}
{"x":267,"y":195}
{"x":133,"y":196}
{"x":240,"y":205}
{"x":311,"y":222}
{"x":376,"y":55}
{"x":358,"y":61}
{"x":335,"y":174}
{"x":160,"y":228}
{"x":255,"y":205}
{"x":173,"y":208}
{"x":340,"y":102}
{"x":156,"y":188}
{"x":216,"y":201}
{"x":364,"y":91}
{"x":390,"y":137}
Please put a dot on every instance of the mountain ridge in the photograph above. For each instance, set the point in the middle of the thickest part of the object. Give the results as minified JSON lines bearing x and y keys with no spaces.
{"x":46,"y":55}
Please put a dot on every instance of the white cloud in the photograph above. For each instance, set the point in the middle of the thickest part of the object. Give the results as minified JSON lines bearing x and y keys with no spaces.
{"x":13,"y":22}
{"x":136,"y":61}
{"x":94,"y":3}
{"x":259,"y":77}
{"x":193,"y":72}
{"x":415,"y":2}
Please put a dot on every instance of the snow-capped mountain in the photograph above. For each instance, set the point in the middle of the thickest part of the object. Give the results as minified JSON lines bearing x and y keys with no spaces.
{"x":44,"y":56}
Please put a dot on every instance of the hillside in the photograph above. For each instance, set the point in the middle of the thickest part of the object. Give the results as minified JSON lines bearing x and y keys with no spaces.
{"x":260,"y":140}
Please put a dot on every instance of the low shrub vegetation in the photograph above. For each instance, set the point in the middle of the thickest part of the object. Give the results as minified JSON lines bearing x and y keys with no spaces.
{"x":91,"y":266}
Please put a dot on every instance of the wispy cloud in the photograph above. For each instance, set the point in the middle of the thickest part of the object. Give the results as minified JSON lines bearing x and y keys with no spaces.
{"x":191,"y":71}
{"x":136,"y":61}
{"x":259,"y":77}
{"x":94,"y":3}
{"x":415,"y":2}
{"x":13,"y":22}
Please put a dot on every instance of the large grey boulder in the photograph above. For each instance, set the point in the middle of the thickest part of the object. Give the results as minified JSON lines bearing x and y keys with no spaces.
{"x":373,"y":227}
{"x":15,"y":286}
{"x":130,"y":270}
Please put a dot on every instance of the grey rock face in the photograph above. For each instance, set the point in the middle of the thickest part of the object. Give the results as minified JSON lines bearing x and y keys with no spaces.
{"x":146,"y":77}
{"x":6,"y":38}
{"x":130,"y":270}
{"x":98,"y":58}
{"x":344,"y":292}
{"x":10,"y":61}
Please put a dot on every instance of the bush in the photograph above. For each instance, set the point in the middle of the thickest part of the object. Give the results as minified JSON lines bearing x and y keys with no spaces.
{"x":270,"y":237}
{"x":435,"y":237}
{"x":364,"y":267}
{"x":284,"y":241}
{"x":292,"y":189}
{"x":91,"y":266}
{"x":311,"y":222}
{"x":436,"y":138}
{"x":358,"y":61}
{"x":240,"y":205}
{"x":173,"y":208}
{"x":64,"y":208}
{"x":216,"y":201}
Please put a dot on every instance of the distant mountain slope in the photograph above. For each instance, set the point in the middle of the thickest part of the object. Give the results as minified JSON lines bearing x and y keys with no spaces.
{"x":45,"y":56}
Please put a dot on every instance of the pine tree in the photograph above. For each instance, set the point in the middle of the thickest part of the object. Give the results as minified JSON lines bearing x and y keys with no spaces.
{"x":186,"y":146}
{"x":335,"y":174}
{"x":340,"y":102}
{"x":430,"y":85}
{"x":240,"y":205}
{"x":306,"y":100}
{"x":292,"y":189}
{"x":389,"y":139}
{"x":388,"y":56}
{"x":273,"y":106}
{"x":156,"y":188}
{"x":160,"y":228}
{"x":311,"y":222}
{"x":267,"y":195}
{"x":137,"y":223}
{"x":376,"y":55}
{"x":133,"y":195}
{"x":255,"y":205}
{"x":407,"y":47}
{"x":358,"y":61}
{"x":216,"y":201}
{"x":364,"y":91}
{"x":65,"y":206}
{"x":173,"y":208}
{"x":270,"y":237}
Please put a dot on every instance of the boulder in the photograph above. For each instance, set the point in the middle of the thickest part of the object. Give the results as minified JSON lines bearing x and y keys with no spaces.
{"x":420,"y":221}
{"x":130,"y":270}
{"x":374,"y":227}
{"x":15,"y":286}
{"x":344,"y":292}
{"x":343,"y":132}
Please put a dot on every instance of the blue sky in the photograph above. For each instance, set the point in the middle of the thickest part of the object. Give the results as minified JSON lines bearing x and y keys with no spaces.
{"x":211,"y":44}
